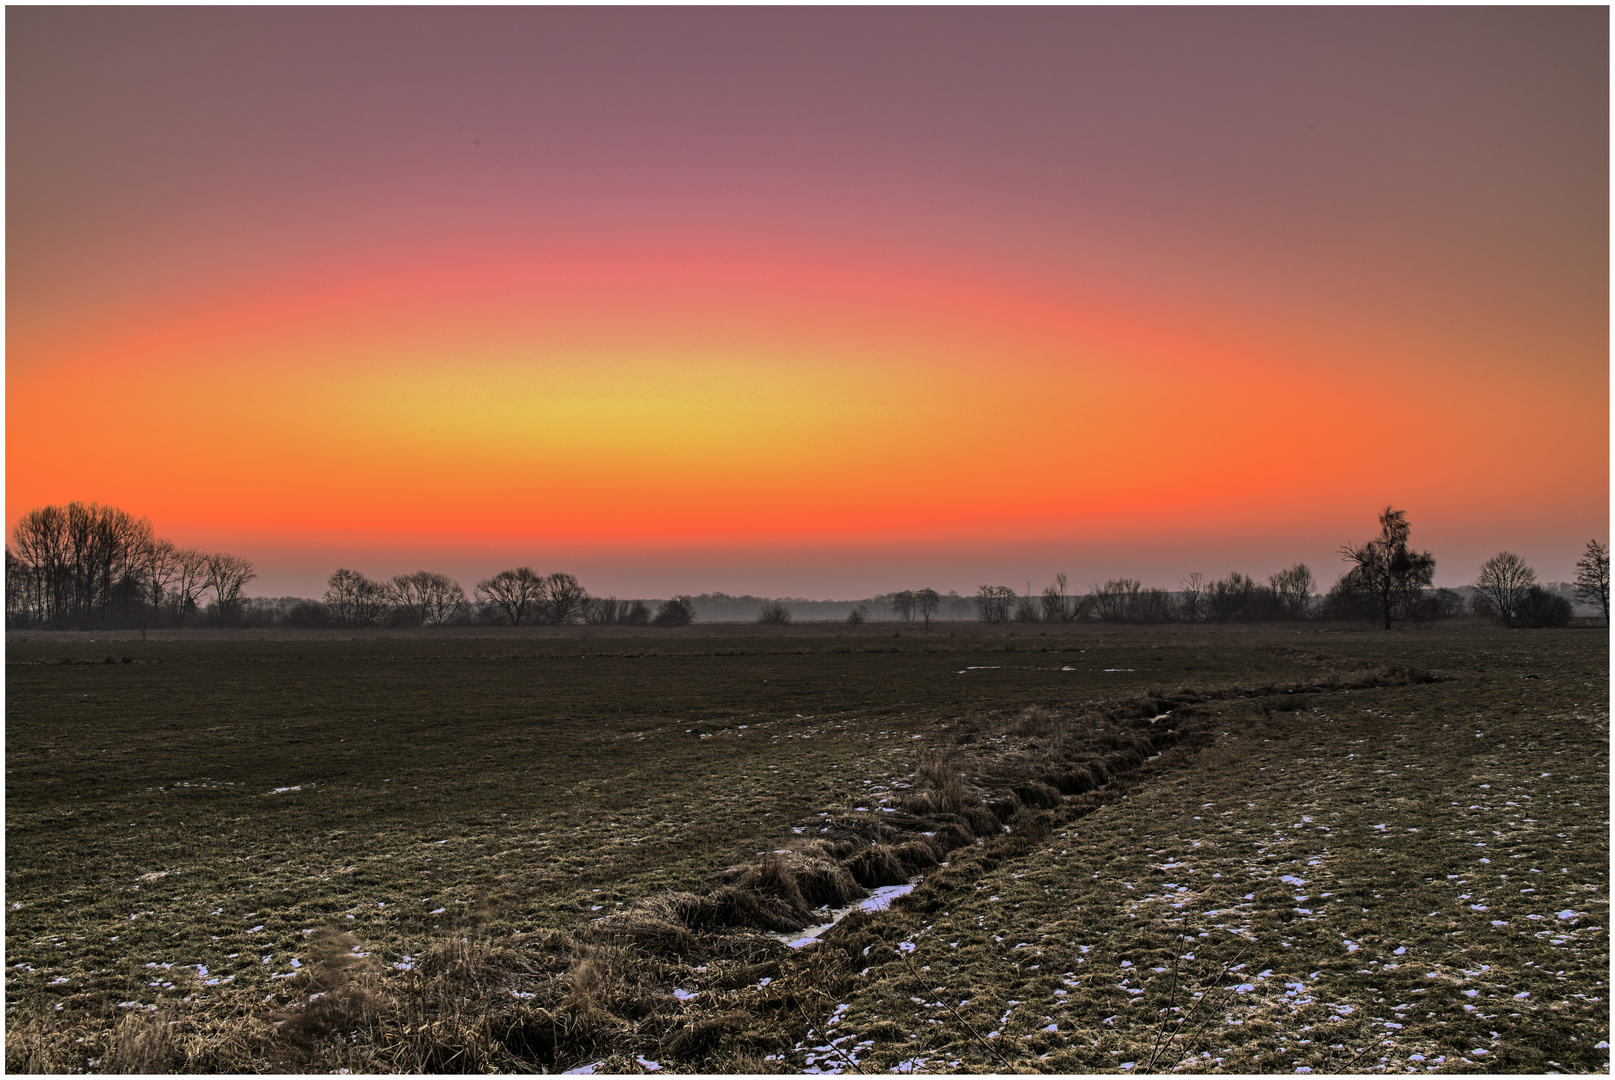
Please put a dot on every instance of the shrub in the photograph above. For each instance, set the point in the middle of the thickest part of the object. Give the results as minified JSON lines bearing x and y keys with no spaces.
{"x":679,"y":611}
{"x":308,"y":615}
{"x":1540,"y":608}
{"x":774,"y":613}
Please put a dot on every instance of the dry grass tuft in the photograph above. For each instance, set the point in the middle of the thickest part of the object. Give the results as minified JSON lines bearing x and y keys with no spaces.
{"x":914,"y":856}
{"x":1036,"y":793}
{"x":877,"y":866}
{"x":825,"y":883}
{"x":142,"y":1043}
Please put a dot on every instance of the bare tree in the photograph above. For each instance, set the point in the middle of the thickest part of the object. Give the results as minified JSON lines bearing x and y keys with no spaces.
{"x":79,"y":561}
{"x":563,"y":599}
{"x":1113,"y":600}
{"x":903,"y":605}
{"x":1057,"y":605}
{"x":516,"y":595}
{"x":190,"y":581}
{"x":994,"y":603}
{"x":1592,"y":576}
{"x":1229,"y":598}
{"x":607,"y":611}
{"x":39,"y":543}
{"x":425,"y":598}
{"x":353,"y":600}
{"x":1387,"y":570}
{"x":227,"y":575}
{"x":1192,"y":608}
{"x":1293,"y":587}
{"x":926,"y":601}
{"x":857,"y":615}
{"x":774,"y":613}
{"x":161,"y":567}
{"x":1502,"y":587}
{"x":1151,"y":606}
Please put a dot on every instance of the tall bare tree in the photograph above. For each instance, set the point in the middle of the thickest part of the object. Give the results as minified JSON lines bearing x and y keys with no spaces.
{"x":516,"y":595}
{"x":1113,"y":601}
{"x":1057,"y":606}
{"x":1387,"y":571}
{"x":353,"y":600}
{"x":426,"y":598}
{"x":926,"y":601}
{"x":161,"y":567}
{"x":190,"y":581}
{"x":1293,"y":587}
{"x":1503,"y":585}
{"x":227,"y":575}
{"x":994,"y":603}
{"x":1192,"y":608}
{"x":1592,"y":576}
{"x":563,"y":599}
{"x":903,"y":605}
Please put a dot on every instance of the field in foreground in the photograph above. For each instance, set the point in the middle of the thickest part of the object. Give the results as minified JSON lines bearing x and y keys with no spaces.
{"x":1180,"y":849}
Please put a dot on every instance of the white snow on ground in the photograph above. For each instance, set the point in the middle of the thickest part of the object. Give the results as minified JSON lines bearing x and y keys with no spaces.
{"x":878,"y":900}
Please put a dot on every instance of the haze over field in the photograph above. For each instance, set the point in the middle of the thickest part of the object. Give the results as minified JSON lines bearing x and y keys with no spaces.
{"x":812,"y":302}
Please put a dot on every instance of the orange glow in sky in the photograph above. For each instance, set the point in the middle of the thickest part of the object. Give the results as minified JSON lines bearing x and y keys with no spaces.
{"x":727,"y":343}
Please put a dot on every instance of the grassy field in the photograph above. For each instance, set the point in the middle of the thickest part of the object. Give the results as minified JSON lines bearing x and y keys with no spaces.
{"x":1168,"y":849}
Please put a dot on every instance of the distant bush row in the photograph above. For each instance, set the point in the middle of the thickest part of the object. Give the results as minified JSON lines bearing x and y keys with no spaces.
{"x":85,"y":565}
{"x":518,"y":597}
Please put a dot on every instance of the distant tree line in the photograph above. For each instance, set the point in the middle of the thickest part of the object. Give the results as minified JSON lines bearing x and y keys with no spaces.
{"x":86,"y":566}
{"x":516,"y":597}
{"x":1386,"y":582}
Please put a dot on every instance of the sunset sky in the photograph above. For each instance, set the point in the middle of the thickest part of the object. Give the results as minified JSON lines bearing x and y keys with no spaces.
{"x":819,"y":302}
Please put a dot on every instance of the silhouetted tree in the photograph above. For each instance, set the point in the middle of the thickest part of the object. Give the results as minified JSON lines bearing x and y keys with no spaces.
{"x":993,"y":603}
{"x":926,"y":601}
{"x":606,"y":611}
{"x":1387,"y":570}
{"x":1112,"y":600}
{"x":1192,"y":607}
{"x":1231,"y":598}
{"x":161,"y":566}
{"x":515,"y":595}
{"x":190,"y":581}
{"x":1057,"y":606}
{"x":1502,"y":586}
{"x":227,"y":575}
{"x":353,"y":600}
{"x":426,"y":598}
{"x":857,"y":615}
{"x":563,"y":599}
{"x":1539,"y":609}
{"x":1592,"y":576}
{"x":1151,"y":606}
{"x":679,"y":611}
{"x":903,"y":605}
{"x":1293,"y":590}
{"x":774,"y":613}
